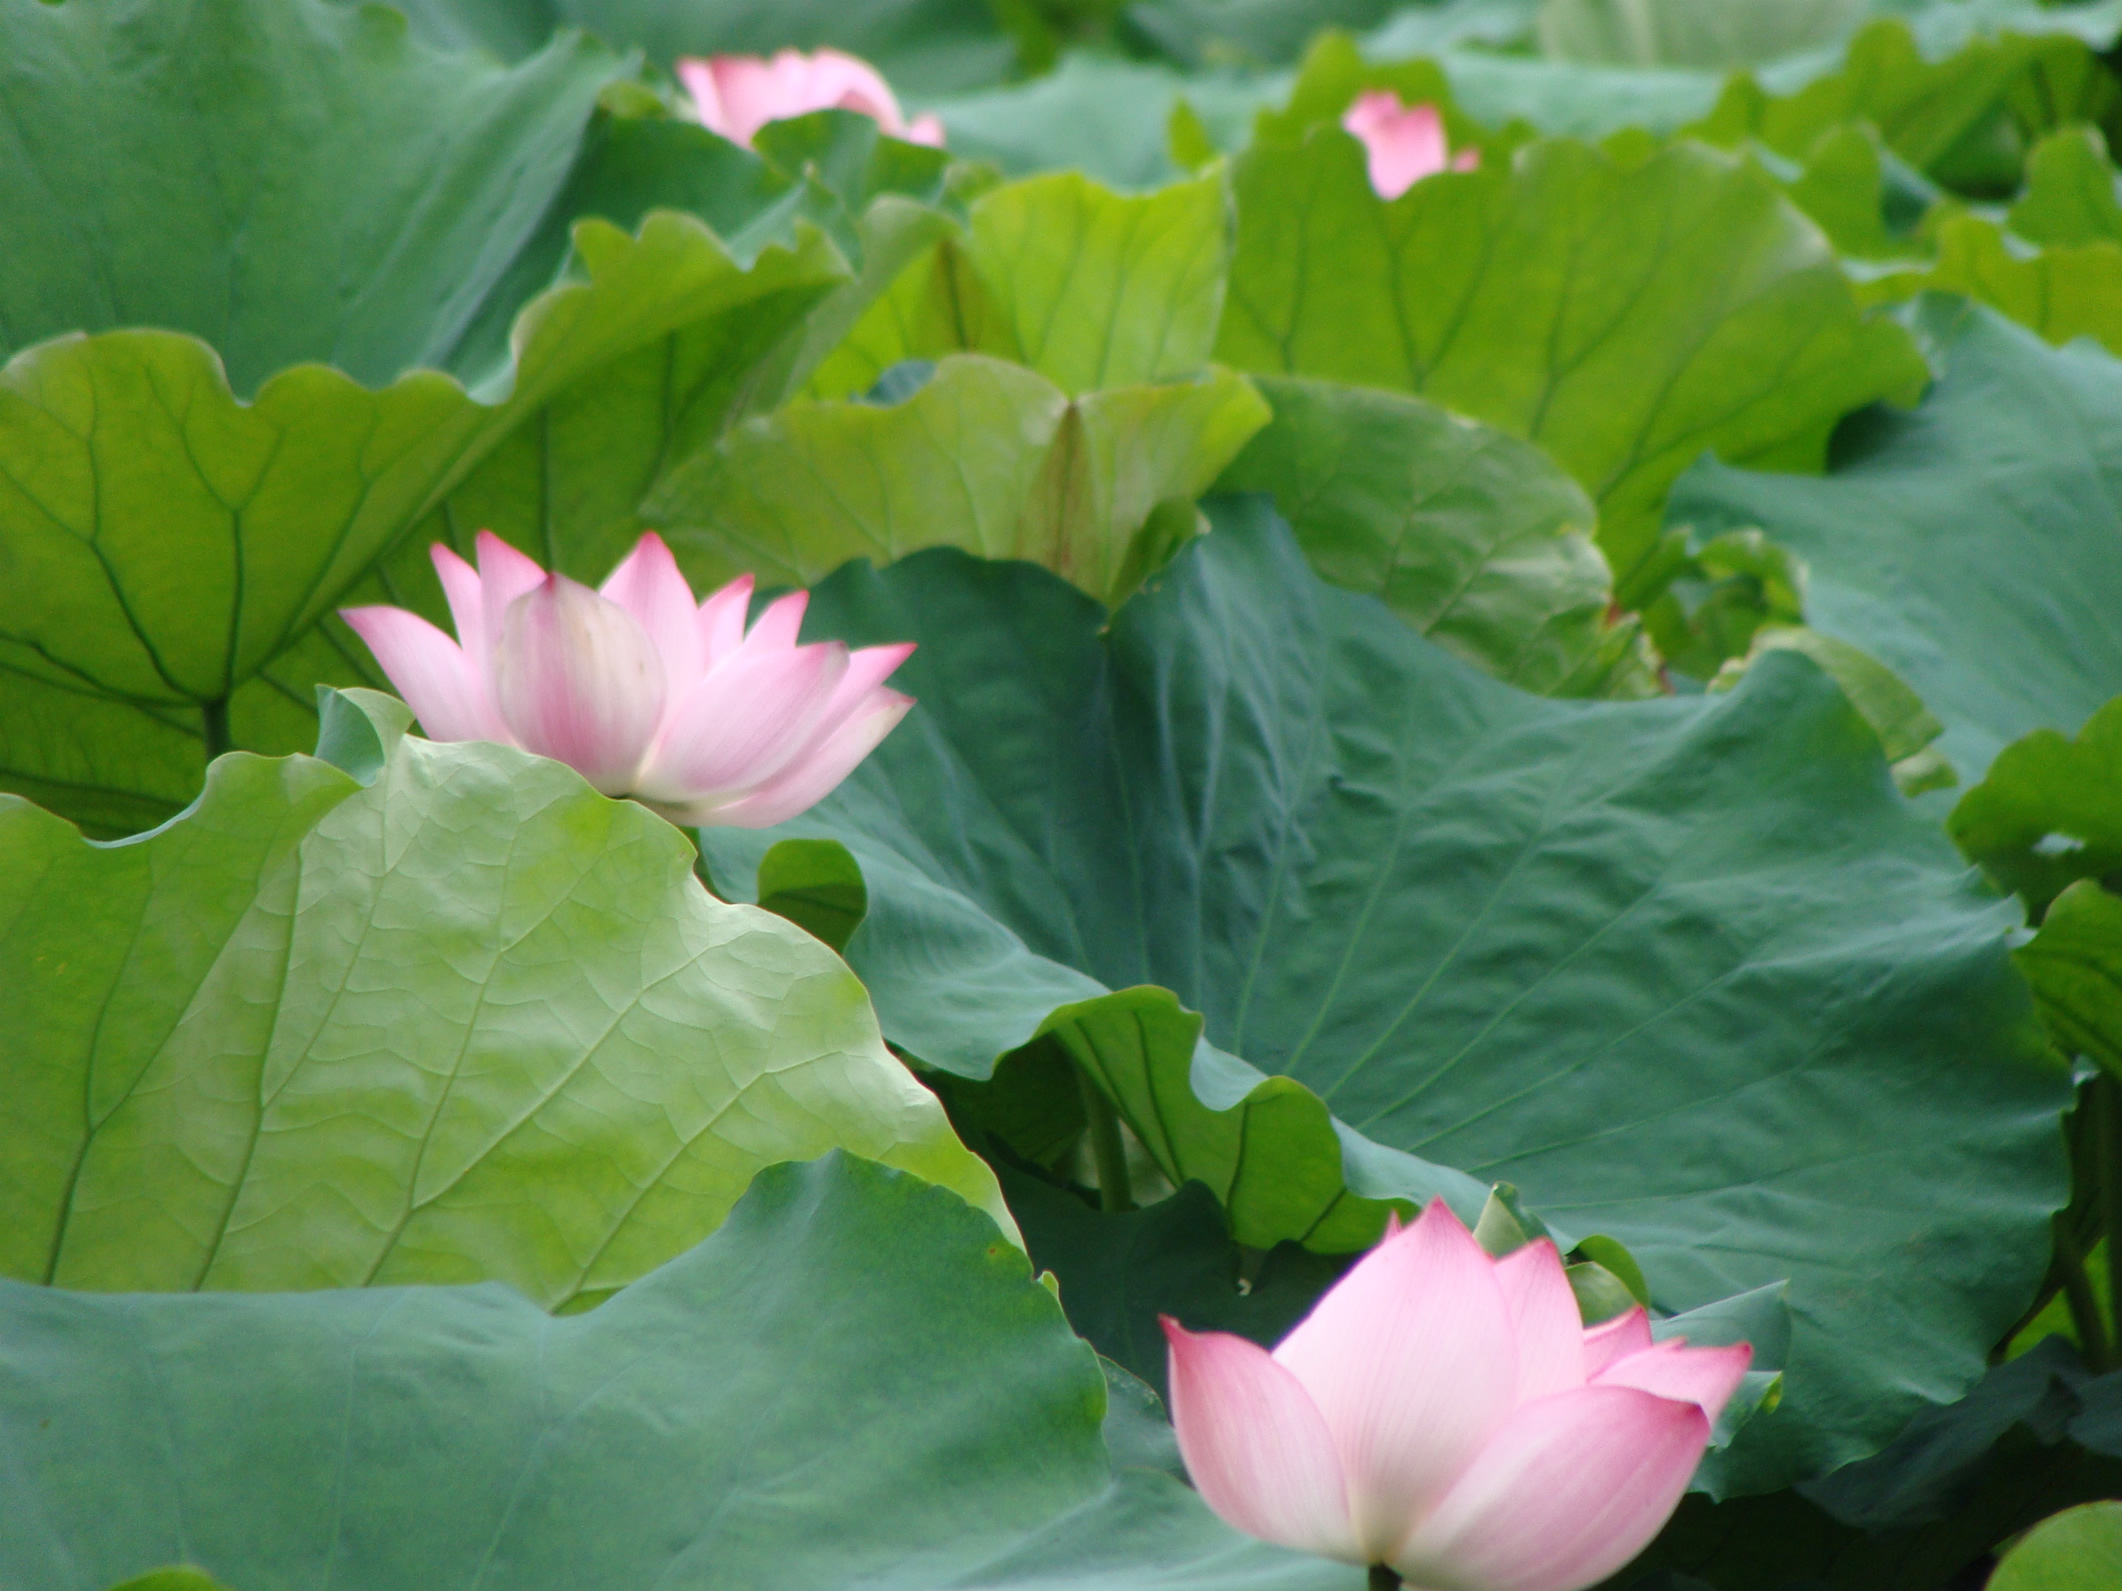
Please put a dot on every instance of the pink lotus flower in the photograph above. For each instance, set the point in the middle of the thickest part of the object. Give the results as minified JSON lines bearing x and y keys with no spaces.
{"x":1405,"y":142}
{"x":737,"y":95}
{"x":638,"y":690}
{"x":1449,"y":1415}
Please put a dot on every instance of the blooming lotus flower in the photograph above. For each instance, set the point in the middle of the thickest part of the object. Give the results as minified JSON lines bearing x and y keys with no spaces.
{"x":1405,"y":142}
{"x":636,"y":688}
{"x":736,"y":95}
{"x":1449,"y":1414}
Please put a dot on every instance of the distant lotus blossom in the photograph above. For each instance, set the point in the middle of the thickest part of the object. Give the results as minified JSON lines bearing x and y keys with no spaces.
{"x":1449,"y":1414}
{"x":637,"y":689}
{"x":736,"y":95}
{"x":1405,"y":142}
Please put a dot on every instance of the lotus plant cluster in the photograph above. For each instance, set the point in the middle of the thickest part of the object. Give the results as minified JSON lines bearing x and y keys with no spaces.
{"x":1499,"y":611}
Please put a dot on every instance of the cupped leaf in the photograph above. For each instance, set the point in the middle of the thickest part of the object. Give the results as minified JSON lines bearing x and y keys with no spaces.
{"x":1090,"y":288}
{"x":288,"y":181}
{"x":464,"y":1020}
{"x":2050,"y":812}
{"x":1970,"y":545}
{"x":2064,"y":293}
{"x":1687,"y":973}
{"x":985,"y":455}
{"x":165,"y":545}
{"x":1626,"y":319}
{"x":2075,"y":966}
{"x":912,"y":1407}
{"x":1472,"y":536}
{"x":2071,"y":192}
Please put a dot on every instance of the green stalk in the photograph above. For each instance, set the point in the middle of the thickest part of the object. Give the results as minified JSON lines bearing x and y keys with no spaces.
{"x":2107,"y":1136}
{"x":1107,"y":1151}
{"x":1382,"y":1578}
{"x":2078,"y":1292}
{"x":215,"y":716}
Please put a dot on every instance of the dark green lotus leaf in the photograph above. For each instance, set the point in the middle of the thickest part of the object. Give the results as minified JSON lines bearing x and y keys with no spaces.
{"x":1687,"y":973}
{"x":929,"y":46}
{"x":1089,"y":287}
{"x":855,"y":1381}
{"x":1625,"y":318}
{"x":289,"y":181}
{"x":1472,"y":536}
{"x":464,"y":1020}
{"x":1727,"y":33}
{"x":1971,"y":545}
{"x":985,"y":455}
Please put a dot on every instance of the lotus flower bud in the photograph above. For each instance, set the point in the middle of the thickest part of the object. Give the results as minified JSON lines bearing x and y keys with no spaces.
{"x":1449,"y":1414}
{"x":1405,"y":143}
{"x":640,"y":690}
{"x":736,"y":95}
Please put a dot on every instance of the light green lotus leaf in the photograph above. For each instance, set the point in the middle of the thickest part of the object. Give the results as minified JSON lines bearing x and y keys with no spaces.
{"x":451,"y":1016}
{"x":986,"y":455}
{"x":1625,"y":318}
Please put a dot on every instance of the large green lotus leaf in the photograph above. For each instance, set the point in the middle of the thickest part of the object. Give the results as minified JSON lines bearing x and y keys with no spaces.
{"x":1967,"y":117}
{"x":925,"y":45}
{"x":458,"y":1018}
{"x":1686,"y":972}
{"x":165,"y":544}
{"x":1626,"y":319}
{"x":1970,"y":545}
{"x":854,"y":1382}
{"x":1089,"y":287}
{"x":987,"y":456}
{"x":289,"y":181}
{"x":1472,"y":536}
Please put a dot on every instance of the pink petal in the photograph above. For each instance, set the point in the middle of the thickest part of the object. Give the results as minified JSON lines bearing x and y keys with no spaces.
{"x":1615,"y":1339}
{"x":839,"y":79}
{"x":699,"y":80}
{"x":1467,"y":160}
{"x":1570,"y":1489}
{"x":721,"y":620}
{"x":578,"y":680}
{"x":811,"y":778}
{"x":1404,"y":144}
{"x":779,"y":625}
{"x":504,"y":575}
{"x":1412,"y":1360}
{"x":1543,"y":1312}
{"x":1706,"y":1377}
{"x":438,"y":682}
{"x":926,"y":130}
{"x":1257,"y":1449}
{"x":741,"y":724}
{"x":467,"y":603}
{"x":648,"y":585}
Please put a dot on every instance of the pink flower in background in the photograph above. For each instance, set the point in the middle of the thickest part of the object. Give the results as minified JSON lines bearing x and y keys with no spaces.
{"x":1405,"y":142}
{"x":637,"y":689}
{"x":737,"y":95}
{"x":1449,"y":1414}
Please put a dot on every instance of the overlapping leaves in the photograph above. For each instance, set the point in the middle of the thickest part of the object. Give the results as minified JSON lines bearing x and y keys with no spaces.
{"x":1625,"y":957}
